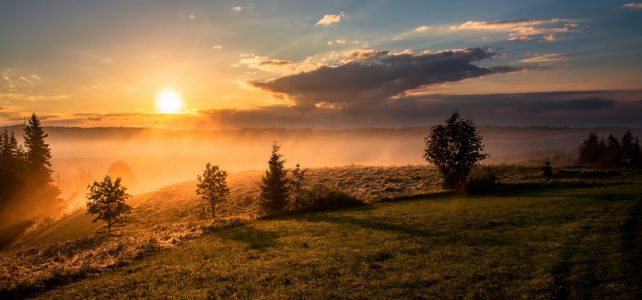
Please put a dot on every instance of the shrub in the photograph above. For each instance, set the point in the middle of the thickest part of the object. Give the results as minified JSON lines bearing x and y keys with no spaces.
{"x":321,"y":197}
{"x":482,"y":181}
{"x":547,"y":169}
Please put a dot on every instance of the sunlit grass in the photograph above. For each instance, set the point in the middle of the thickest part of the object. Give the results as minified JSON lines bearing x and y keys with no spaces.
{"x":541,"y":242}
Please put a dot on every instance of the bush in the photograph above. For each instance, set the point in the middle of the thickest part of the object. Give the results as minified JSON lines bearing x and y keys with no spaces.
{"x":547,"y":169}
{"x":482,"y":181}
{"x":321,"y":197}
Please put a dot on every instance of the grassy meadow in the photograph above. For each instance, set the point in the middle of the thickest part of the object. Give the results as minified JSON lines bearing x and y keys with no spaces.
{"x":578,"y":235}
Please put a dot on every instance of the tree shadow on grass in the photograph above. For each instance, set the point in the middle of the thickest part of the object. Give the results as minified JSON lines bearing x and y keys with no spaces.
{"x":252,"y":237}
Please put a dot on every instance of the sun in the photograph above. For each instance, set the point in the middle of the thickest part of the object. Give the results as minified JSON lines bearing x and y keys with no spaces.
{"x":169,"y":101}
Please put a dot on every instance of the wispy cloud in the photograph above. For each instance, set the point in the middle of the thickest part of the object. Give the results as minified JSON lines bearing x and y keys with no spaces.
{"x":423,"y":28}
{"x":217,"y":47}
{"x":547,"y":30}
{"x":633,"y":5}
{"x":546,"y":58}
{"x":342,"y":42}
{"x":328,"y":20}
{"x":237,"y":9}
{"x":265,"y":63}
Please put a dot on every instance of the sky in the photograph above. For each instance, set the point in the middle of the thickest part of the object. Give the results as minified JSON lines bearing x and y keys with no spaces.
{"x":320,"y":64}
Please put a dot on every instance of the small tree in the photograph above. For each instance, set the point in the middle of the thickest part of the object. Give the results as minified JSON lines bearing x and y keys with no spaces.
{"x":211,"y":186}
{"x":547,"y":169}
{"x":274,"y":186}
{"x":298,"y":176}
{"x":455,"y":148}
{"x":106,"y":199}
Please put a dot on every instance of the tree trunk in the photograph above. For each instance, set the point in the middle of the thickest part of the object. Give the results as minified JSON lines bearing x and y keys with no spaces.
{"x":109,"y":225}
{"x":212,"y":204}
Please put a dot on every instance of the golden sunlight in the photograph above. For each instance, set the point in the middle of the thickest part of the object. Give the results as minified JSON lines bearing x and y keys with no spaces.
{"x":169,"y":101}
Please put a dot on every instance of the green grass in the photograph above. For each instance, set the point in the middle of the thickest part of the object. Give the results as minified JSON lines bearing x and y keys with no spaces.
{"x":535,"y":242}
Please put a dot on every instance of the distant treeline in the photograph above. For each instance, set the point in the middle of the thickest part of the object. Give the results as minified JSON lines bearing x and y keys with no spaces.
{"x":612,"y":153}
{"x":26,"y":186}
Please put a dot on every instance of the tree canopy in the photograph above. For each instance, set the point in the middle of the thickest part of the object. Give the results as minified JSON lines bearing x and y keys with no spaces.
{"x":212,"y":185}
{"x":454,"y":148}
{"x":106,"y":200}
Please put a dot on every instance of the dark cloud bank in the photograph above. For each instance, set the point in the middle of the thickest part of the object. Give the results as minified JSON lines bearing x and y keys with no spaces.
{"x":368,"y":90}
{"x":575,"y":109}
{"x":371,"y":77}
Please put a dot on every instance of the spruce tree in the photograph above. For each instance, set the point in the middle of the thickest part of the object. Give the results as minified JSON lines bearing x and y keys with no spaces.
{"x":274,"y":186}
{"x":38,"y":153}
{"x":613,"y":154}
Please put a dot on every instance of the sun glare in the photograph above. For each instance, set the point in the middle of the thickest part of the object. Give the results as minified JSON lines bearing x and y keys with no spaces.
{"x":169,"y":101}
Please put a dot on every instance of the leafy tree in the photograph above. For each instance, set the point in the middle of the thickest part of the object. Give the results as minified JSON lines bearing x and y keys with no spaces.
{"x":613,"y":152}
{"x":211,"y":186}
{"x":38,"y":152}
{"x":298,"y":177}
{"x":592,"y":151}
{"x":455,"y":148}
{"x":274,"y":186}
{"x":106,"y":199}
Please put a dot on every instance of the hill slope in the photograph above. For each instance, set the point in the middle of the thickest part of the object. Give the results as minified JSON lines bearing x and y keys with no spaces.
{"x":553,"y":240}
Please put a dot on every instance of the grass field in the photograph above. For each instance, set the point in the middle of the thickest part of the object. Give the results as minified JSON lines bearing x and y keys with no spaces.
{"x":576,"y":238}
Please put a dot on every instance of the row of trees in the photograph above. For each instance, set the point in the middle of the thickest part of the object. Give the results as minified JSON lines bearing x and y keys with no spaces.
{"x":612,"y":153}
{"x":277,"y":190}
{"x":26,"y":185}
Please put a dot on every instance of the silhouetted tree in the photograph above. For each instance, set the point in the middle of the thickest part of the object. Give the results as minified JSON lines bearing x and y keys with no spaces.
{"x":547,"y":169}
{"x":630,"y":150}
{"x":298,"y":177}
{"x":592,"y":151}
{"x":38,"y":153}
{"x":211,"y":186}
{"x":106,"y":200}
{"x":455,"y":148}
{"x":12,"y":168}
{"x":274,"y":186}
{"x":613,"y":153}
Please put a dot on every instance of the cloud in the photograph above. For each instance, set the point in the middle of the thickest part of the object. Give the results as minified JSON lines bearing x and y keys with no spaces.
{"x":265,"y":63}
{"x":343,"y":42}
{"x":546,"y":58}
{"x":422,"y":28}
{"x":547,"y":30}
{"x":370,"y":77}
{"x":574,"y":108}
{"x":328,"y":20}
{"x":632,"y":5}
{"x":217,"y":47}
{"x":237,"y":9}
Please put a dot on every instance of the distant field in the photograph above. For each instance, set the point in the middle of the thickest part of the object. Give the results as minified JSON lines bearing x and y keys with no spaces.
{"x":577,"y":237}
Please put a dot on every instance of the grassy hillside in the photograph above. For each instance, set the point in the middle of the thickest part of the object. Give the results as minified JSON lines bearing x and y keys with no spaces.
{"x":577,"y":238}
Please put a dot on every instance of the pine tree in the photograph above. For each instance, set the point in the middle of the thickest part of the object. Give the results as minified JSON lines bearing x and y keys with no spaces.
{"x":592,"y":151}
{"x":274,"y":186}
{"x":38,"y":152}
{"x":613,"y":153}
{"x":630,"y":150}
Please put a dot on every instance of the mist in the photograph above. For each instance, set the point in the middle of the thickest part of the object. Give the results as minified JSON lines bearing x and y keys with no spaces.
{"x":160,"y":157}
